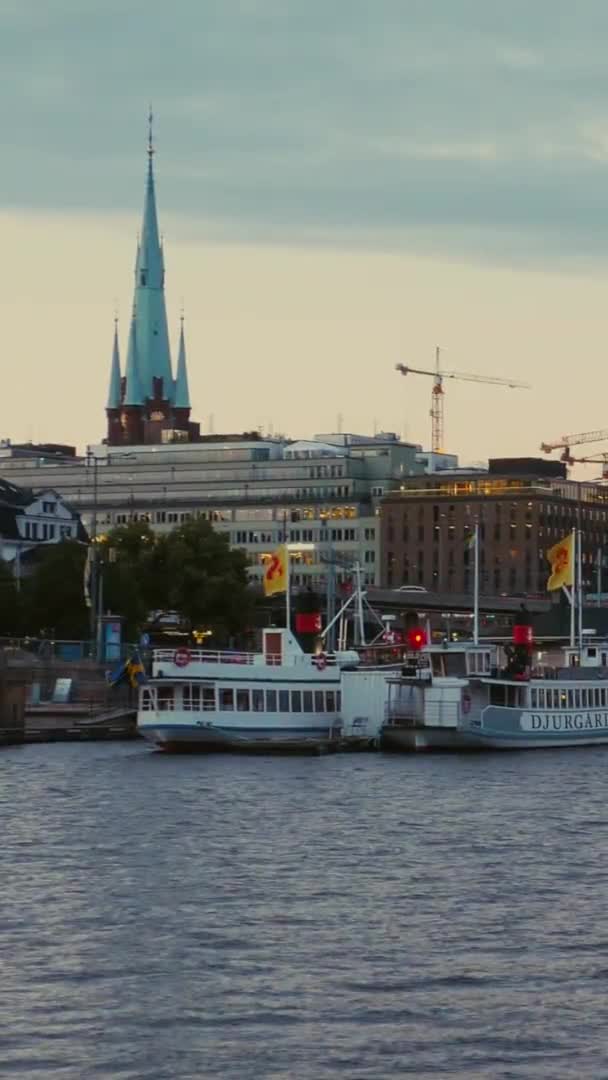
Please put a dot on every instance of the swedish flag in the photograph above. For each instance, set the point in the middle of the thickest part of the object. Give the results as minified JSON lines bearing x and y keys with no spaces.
{"x":131,"y":671}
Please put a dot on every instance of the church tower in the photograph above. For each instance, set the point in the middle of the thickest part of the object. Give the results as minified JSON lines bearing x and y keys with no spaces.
{"x":148,"y":405}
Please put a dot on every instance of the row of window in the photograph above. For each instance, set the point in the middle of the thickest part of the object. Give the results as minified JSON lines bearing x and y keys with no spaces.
{"x":33,"y":530}
{"x":228,"y":699}
{"x":584,"y":697}
{"x":175,"y":517}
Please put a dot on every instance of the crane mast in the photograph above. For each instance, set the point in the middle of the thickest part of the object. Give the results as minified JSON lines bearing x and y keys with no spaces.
{"x":438,"y":393}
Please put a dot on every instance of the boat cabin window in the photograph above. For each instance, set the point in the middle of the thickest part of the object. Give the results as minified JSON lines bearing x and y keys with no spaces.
{"x":319,"y":701}
{"x":307,"y":700}
{"x":438,"y":664}
{"x":478,"y":663}
{"x":296,"y":701}
{"x":242,"y":701}
{"x":147,"y":700}
{"x":283,"y":700}
{"x":227,"y":699}
{"x":271,"y":701}
{"x":257,"y":700}
{"x":196,"y":698}
{"x":165,"y":698}
{"x":455,"y":664}
{"x":330,"y":699}
{"x":506,"y":695}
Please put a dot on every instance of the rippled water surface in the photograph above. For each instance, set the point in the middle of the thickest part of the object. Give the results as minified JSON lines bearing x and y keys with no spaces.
{"x":354,"y":916}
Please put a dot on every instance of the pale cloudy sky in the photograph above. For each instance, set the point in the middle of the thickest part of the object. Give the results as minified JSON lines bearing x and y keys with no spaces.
{"x":342,"y":185}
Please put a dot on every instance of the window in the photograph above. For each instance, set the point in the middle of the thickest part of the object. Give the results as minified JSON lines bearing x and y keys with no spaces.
{"x":242,"y":700}
{"x":283,"y":700}
{"x":208,"y":698}
{"x":307,"y":700}
{"x":319,"y":701}
{"x":330,"y":698}
{"x":165,"y":698}
{"x":226,"y":700}
{"x":296,"y":701}
{"x":191,"y":697}
{"x":271,"y":701}
{"x":48,"y":507}
{"x":257,"y":700}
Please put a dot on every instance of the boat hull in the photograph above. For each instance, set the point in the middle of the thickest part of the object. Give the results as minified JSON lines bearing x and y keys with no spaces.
{"x":503,"y":728}
{"x":202,"y":737}
{"x":418,"y":739}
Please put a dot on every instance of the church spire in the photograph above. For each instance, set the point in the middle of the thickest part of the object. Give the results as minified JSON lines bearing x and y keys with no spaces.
{"x":182,"y":394}
{"x":114,"y":388}
{"x":149,"y":301}
{"x":133,"y":391}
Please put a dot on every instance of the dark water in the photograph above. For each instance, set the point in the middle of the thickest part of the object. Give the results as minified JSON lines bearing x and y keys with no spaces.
{"x":356,"y":916}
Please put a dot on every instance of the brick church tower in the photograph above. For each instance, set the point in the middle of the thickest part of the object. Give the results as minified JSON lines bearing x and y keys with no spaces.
{"x":147,"y":404}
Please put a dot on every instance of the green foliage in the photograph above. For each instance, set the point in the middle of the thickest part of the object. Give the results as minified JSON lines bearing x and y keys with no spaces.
{"x":206,"y":581}
{"x":9,"y":602}
{"x":52,"y":597}
{"x":191,"y":570}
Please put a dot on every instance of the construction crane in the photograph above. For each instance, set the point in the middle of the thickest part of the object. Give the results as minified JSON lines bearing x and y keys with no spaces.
{"x":567,"y":441}
{"x":601,"y":459}
{"x":438,"y":393}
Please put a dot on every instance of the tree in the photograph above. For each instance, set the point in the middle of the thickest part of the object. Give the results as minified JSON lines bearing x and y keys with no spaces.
{"x":53,"y":595}
{"x":191,"y":570}
{"x":9,"y":601}
{"x":126,"y":557}
{"x":206,"y":579}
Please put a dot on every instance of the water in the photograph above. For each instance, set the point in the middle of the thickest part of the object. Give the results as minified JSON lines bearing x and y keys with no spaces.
{"x":310,"y":918}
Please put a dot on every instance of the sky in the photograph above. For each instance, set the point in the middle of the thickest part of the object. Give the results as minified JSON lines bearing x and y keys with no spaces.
{"x":341,"y":187}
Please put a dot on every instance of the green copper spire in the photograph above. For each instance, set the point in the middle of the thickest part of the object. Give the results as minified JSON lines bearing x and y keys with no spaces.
{"x":182,"y":395}
{"x":154,"y":355}
{"x":114,"y":388}
{"x":133,"y":392}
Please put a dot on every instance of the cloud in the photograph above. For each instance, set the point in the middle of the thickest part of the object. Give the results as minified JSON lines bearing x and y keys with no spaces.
{"x":465,"y":127}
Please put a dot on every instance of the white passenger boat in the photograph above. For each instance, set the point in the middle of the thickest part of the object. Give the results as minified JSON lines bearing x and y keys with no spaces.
{"x":465,"y":696}
{"x":278,"y":699}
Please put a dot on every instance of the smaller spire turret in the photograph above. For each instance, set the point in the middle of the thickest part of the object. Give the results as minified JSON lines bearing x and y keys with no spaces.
{"x":182,"y":393}
{"x":133,"y":392}
{"x":114,"y":388}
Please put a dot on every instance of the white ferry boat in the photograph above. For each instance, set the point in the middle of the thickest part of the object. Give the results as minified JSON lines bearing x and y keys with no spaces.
{"x":459,"y":697}
{"x":279,"y":699}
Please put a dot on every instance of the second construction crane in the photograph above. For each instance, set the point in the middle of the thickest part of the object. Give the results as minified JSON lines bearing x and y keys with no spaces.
{"x":438,"y":393}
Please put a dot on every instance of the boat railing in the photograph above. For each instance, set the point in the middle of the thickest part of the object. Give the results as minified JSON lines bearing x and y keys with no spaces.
{"x":183,"y":657}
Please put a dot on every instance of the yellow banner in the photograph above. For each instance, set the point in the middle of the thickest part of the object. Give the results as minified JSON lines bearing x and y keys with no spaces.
{"x":561,"y":558}
{"x":276,"y":571}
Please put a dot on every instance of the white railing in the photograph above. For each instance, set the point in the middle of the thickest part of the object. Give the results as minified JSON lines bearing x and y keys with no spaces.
{"x":211,"y":656}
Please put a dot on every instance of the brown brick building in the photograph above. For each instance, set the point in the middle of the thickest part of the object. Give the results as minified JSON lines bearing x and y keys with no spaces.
{"x":522,"y":505}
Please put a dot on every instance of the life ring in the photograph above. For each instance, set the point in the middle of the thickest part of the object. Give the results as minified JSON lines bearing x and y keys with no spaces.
{"x":321,"y":661}
{"x":466,"y":703}
{"x":182,"y":657}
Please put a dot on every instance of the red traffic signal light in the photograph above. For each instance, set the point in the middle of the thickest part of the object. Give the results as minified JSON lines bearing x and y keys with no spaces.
{"x":416,"y":638}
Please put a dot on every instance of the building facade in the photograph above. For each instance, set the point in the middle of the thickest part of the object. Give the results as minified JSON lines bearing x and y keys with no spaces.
{"x":322,"y":493}
{"x":522,"y":507}
{"x":32,"y":518}
{"x":148,"y":404}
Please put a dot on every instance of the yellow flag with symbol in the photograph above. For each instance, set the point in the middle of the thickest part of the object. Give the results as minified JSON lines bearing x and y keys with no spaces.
{"x":276,"y":571}
{"x":561,"y":558}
